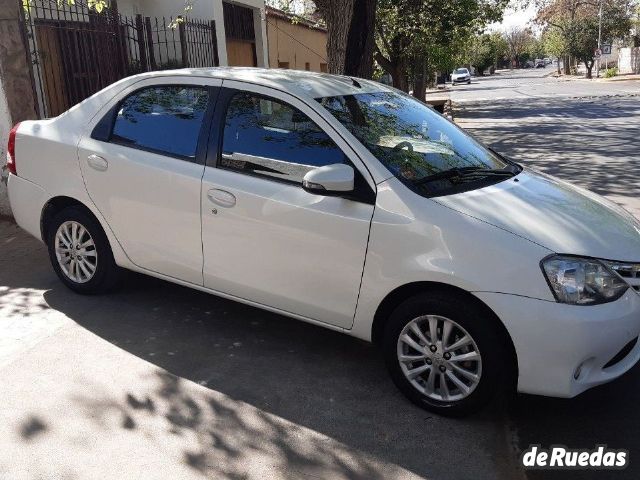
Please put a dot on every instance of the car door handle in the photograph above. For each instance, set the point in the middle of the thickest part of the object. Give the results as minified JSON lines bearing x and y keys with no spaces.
{"x":221,"y":198}
{"x":97,"y":163}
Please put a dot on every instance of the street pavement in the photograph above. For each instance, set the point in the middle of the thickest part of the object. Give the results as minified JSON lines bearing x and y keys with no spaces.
{"x":158,"y":381}
{"x":587,"y":133}
{"x":536,"y":84}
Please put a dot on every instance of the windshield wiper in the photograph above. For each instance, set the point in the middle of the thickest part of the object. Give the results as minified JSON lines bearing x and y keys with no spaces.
{"x":469,"y":173}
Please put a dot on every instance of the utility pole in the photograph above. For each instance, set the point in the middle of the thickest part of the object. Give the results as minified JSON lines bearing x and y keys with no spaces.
{"x":599,"y":40}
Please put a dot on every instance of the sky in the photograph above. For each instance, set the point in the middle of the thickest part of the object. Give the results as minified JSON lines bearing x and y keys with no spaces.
{"x":515,"y":17}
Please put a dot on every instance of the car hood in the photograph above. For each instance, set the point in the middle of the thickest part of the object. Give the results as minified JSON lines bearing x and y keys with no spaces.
{"x":554,"y":214}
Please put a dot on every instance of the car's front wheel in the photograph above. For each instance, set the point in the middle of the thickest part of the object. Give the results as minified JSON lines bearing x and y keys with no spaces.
{"x":444,"y":353}
{"x":80,"y":252}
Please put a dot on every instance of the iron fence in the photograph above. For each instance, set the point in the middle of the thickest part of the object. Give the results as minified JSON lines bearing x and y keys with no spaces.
{"x":75,"y":51}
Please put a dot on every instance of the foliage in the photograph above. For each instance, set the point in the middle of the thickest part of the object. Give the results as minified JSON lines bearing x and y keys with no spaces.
{"x":97,"y":5}
{"x":416,"y":37}
{"x":554,"y":42}
{"x":577,"y":23}
{"x":520,"y":42}
{"x":610,"y":72}
{"x":486,"y":50}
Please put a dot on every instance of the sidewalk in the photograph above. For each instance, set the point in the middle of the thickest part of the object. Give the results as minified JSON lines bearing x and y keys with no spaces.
{"x":159,"y":381}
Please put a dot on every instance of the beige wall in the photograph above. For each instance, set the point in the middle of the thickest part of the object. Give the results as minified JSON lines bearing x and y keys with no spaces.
{"x":284,"y":49}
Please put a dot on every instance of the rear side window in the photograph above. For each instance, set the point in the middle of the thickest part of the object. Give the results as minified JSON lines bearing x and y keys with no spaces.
{"x":164,"y":120}
{"x":268,"y":137}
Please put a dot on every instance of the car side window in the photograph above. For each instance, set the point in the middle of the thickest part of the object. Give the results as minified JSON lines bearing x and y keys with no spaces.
{"x":268,"y":137}
{"x":164,"y":119}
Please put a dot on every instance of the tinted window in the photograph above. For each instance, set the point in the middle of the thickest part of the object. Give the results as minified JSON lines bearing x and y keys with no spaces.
{"x":268,"y":137}
{"x":164,"y":119}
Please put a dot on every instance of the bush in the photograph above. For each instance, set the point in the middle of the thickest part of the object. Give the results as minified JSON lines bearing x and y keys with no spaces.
{"x":610,"y":72}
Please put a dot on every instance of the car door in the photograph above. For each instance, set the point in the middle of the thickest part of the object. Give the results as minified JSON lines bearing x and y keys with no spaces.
{"x":142,"y":164}
{"x":265,"y":239}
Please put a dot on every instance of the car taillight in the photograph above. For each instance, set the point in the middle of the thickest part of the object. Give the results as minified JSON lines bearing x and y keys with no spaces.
{"x":11,"y":149}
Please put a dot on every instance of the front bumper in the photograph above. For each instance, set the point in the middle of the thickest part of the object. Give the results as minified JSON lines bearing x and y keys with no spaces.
{"x":552,"y":340}
{"x":461,"y":79}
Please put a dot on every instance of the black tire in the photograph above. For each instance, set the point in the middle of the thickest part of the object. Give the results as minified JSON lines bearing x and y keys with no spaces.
{"x":107,"y":274}
{"x":478,"y":324}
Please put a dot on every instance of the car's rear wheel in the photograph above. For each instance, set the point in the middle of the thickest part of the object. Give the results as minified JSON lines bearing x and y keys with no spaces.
{"x":444,"y":353}
{"x":80,"y":252}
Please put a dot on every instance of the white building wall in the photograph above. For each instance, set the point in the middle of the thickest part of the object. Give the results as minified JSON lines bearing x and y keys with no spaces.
{"x":205,"y":9}
{"x":5,"y":127}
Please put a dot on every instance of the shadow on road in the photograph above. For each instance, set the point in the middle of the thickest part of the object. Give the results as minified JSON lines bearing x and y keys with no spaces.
{"x":313,"y":377}
{"x":595,"y":144}
{"x":592,"y":143}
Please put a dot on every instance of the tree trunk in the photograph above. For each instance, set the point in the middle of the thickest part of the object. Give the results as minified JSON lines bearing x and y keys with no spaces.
{"x":361,"y":42}
{"x":399,"y":76}
{"x":420,"y":88}
{"x":566,"y":64}
{"x":420,"y":77}
{"x":350,"y":42}
{"x":397,"y":69}
{"x":589,"y":66}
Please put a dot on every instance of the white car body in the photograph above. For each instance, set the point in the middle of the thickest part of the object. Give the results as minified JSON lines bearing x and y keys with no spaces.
{"x":333,"y":262}
{"x":461,"y":75}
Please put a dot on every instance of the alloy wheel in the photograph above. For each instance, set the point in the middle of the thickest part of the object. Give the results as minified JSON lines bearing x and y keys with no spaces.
{"x":439,"y":358}
{"x":76,"y":252}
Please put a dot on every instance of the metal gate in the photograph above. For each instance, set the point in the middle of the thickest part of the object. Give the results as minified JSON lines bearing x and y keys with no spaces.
{"x":75,"y":51}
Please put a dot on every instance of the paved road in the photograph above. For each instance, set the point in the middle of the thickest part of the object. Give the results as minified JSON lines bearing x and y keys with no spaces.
{"x":535,"y":84}
{"x":159,"y":381}
{"x":594,"y":142}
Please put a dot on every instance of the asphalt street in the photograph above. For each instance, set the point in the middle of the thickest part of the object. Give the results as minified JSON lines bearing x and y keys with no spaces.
{"x":587,"y":133}
{"x":536,"y":83}
{"x":160,"y":381}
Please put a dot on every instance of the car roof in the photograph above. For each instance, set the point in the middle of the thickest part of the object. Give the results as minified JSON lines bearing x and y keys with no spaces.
{"x":299,"y":82}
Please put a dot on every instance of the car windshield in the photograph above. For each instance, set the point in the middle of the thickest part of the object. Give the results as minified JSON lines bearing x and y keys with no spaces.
{"x":421,"y":148}
{"x":461,"y":70}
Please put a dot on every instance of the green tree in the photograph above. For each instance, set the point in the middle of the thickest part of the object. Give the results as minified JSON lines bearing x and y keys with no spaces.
{"x":554,"y":44}
{"x":486,"y":50}
{"x":416,"y":37}
{"x":518,"y":42}
{"x":577,"y":21}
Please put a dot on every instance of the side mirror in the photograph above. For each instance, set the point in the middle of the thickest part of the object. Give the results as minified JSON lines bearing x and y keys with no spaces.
{"x":331,"y":179}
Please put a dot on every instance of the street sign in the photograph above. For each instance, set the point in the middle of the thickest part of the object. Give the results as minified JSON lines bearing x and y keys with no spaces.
{"x":598,"y":53}
{"x":606,"y":49}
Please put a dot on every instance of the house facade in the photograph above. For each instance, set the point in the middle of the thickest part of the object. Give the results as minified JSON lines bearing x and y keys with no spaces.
{"x":295,"y":43}
{"x":240,"y":25}
{"x":76,"y":51}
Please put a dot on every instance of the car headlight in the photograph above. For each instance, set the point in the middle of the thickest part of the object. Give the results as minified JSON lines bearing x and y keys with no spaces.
{"x":582,"y":281}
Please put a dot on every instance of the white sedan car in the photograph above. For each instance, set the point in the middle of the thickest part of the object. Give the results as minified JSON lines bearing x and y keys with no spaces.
{"x":461,"y":75}
{"x":343,"y":203}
